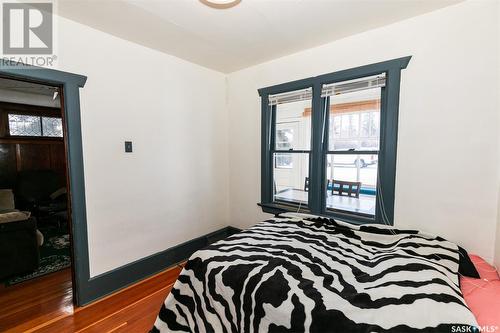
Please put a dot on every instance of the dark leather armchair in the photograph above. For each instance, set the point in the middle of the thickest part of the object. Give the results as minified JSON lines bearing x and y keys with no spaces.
{"x":19,"y":248}
{"x":42,"y":192}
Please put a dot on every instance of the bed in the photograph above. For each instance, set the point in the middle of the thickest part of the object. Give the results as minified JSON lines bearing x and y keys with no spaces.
{"x":482,"y":294}
{"x":303,"y":274}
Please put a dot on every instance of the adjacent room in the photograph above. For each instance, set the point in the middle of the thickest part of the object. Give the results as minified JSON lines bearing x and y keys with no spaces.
{"x":250,"y":166}
{"x":34,"y":208}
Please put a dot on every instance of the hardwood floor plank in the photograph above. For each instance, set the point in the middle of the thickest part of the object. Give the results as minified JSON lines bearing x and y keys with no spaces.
{"x":138,"y":316}
{"x":35,"y":302}
{"x":45,"y":305}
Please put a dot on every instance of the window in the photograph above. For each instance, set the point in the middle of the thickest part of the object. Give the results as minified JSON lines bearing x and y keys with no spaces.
{"x":329,"y":144}
{"x":292,"y":142}
{"x":24,"y":125}
{"x":30,"y":125}
{"x":52,"y":126}
{"x":353,"y":144}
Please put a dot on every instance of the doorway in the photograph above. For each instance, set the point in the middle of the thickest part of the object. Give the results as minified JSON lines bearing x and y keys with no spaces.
{"x":21,"y":310}
{"x":85,"y":288}
{"x":34,"y":187}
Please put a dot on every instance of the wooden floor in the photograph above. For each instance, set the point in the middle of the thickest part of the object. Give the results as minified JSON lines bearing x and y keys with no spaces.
{"x":45,"y":305}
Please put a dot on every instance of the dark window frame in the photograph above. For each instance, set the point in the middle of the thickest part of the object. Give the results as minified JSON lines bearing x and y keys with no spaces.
{"x":319,"y":150}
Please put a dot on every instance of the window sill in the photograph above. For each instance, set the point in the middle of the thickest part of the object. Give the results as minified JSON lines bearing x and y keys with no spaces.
{"x":277,"y":208}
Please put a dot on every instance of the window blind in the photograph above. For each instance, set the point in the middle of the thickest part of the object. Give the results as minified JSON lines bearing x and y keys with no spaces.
{"x":290,"y":97}
{"x":332,"y":89}
{"x":344,"y":87}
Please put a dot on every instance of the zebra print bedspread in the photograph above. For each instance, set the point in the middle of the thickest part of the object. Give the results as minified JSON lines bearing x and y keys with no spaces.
{"x":318,"y":275}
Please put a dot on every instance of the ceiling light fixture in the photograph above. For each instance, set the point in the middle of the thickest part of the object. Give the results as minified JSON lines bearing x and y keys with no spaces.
{"x":220,"y":4}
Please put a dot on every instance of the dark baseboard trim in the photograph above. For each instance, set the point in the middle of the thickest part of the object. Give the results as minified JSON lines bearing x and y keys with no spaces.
{"x":121,"y":277}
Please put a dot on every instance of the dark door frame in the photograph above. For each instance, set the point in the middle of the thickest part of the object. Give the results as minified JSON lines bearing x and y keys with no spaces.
{"x":70,"y":105}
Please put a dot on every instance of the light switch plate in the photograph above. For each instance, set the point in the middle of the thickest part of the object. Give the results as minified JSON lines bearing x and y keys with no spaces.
{"x":128,"y":146}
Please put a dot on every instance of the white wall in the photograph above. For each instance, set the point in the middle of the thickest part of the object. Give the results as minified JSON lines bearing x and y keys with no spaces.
{"x":497,"y":244}
{"x":174,"y":186}
{"x":449,"y":119}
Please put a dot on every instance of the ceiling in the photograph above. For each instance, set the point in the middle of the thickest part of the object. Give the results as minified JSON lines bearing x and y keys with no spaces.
{"x":253,"y":32}
{"x":27,"y":87}
{"x":15,"y":91}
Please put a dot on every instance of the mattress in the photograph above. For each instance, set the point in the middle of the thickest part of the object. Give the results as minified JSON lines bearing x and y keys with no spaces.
{"x":318,"y":275}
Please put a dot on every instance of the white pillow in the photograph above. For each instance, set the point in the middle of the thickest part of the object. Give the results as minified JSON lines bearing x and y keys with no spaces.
{"x":14,"y":216}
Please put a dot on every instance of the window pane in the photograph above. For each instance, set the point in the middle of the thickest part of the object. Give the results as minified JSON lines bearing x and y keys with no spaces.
{"x":284,"y":137}
{"x":293,"y":125}
{"x":352,"y":183}
{"x":52,"y":126}
{"x":355,"y":120}
{"x":283,"y":161}
{"x":291,"y":183}
{"x":24,"y":125}
{"x":336,"y":127}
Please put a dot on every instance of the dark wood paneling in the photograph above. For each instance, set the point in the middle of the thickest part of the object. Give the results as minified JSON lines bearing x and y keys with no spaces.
{"x":30,"y":109}
{"x":32,"y":140}
{"x":30,"y":154}
{"x":57,"y":158}
{"x":7,"y":165}
{"x":33,"y":157}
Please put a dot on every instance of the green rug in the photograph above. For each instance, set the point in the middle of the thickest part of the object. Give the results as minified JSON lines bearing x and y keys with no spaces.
{"x":54,"y":255}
